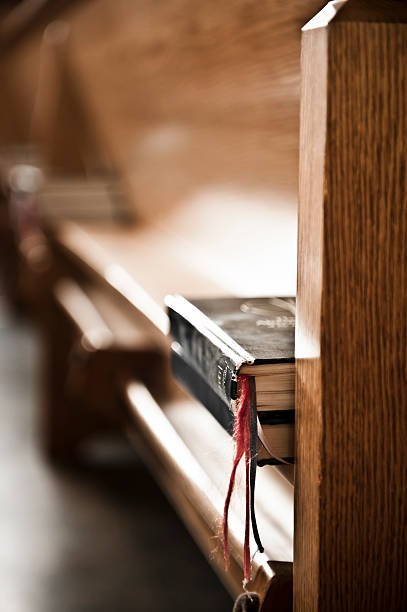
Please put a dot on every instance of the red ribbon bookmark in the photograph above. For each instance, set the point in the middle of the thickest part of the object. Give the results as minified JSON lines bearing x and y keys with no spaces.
{"x":241,"y":435}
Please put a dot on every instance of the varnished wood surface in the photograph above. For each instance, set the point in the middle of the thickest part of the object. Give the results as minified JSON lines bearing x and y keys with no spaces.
{"x":148,"y":261}
{"x":184,"y":101}
{"x":189,"y":453}
{"x":213,"y":102}
{"x":39,"y":105}
{"x":139,"y":266}
{"x":197,"y":109}
{"x":190,"y":251}
{"x":351,"y":424}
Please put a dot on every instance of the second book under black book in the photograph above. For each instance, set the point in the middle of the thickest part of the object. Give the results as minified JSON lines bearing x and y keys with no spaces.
{"x":217,"y":340}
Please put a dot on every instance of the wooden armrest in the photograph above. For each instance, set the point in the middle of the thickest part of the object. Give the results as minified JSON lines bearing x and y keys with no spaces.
{"x":191,"y":456}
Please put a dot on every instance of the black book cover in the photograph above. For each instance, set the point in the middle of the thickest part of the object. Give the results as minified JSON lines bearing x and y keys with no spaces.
{"x":217,"y":336}
{"x":197,"y":386}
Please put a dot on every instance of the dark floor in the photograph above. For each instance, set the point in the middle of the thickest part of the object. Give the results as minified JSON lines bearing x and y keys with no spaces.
{"x":98,"y":539}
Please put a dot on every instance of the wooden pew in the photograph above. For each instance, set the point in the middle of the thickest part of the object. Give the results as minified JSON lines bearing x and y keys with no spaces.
{"x":209,"y":167}
{"x":351,"y":459}
{"x":91,"y":345}
{"x":198,"y":111}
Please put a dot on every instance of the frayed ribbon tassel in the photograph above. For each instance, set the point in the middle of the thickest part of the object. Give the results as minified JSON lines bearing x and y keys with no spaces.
{"x":245,"y":437}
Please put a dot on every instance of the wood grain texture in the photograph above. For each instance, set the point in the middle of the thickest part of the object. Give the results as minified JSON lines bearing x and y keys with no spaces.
{"x":351,"y":472}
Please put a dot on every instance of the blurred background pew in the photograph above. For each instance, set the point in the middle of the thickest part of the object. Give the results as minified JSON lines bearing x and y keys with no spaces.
{"x":193,"y":112}
{"x":168,"y":138}
{"x":151,"y":148}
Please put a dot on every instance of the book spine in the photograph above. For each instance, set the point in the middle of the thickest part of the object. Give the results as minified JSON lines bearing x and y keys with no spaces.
{"x":209,"y":360}
{"x":197,"y":386}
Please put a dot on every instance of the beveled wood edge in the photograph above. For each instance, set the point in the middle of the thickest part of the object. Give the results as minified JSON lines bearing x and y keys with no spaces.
{"x":379,"y":11}
{"x":323,"y":18}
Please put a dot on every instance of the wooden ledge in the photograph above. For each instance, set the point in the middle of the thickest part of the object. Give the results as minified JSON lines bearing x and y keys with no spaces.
{"x":190,"y":455}
{"x":100,"y":323}
{"x":144,"y":262}
{"x":139,"y":264}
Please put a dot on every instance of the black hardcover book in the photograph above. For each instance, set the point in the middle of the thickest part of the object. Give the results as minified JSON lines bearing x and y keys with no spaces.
{"x":216,"y":340}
